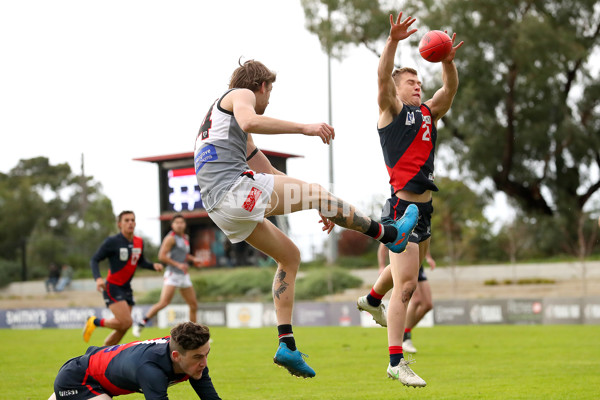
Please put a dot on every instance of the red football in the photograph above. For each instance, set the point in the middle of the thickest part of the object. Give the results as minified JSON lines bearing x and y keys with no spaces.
{"x":435,"y":46}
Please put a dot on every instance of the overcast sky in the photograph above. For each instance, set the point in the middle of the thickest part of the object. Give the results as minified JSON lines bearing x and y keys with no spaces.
{"x":118,"y":80}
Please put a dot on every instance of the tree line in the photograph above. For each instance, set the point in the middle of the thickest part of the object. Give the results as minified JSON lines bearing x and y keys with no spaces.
{"x":49,"y":214}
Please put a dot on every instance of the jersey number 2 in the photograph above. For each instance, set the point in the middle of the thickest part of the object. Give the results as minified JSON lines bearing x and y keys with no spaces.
{"x":427,"y":133}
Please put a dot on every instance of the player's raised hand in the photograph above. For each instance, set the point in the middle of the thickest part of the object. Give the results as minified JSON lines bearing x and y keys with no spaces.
{"x":399,"y":29}
{"x":450,"y":57}
{"x":322,"y":130}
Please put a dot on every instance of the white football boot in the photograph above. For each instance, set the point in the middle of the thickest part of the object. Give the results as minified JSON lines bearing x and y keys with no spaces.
{"x":408,"y":346}
{"x":136,"y":329}
{"x":405,"y":375}
{"x":378,"y":313}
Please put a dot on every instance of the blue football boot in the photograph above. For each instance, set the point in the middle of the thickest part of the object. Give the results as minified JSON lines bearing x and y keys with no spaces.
{"x":293,"y":361}
{"x":405,"y":226}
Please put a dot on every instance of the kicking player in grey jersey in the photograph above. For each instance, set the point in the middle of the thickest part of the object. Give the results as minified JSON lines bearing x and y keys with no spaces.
{"x":240,"y":187}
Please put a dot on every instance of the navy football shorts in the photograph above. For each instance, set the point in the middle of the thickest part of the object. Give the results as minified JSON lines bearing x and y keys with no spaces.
{"x":115,"y":293}
{"x":422,"y":277}
{"x":71,"y":382}
{"x":394,"y":209}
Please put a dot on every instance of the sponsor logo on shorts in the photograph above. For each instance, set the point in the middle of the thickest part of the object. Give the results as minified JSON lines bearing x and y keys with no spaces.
{"x":67,"y":393}
{"x":251,"y":199}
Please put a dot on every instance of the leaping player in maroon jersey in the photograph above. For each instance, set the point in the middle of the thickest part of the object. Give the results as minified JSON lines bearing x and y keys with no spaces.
{"x":124,"y":252}
{"x":407,"y":132}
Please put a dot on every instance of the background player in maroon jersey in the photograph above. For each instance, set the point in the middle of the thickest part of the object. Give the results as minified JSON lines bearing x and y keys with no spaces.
{"x":125,"y":252}
{"x":420,"y":303}
{"x":147,"y":367}
{"x":407,"y":132}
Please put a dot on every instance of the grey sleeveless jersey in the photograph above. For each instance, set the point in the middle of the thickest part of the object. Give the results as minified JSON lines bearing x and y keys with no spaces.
{"x":219,"y":154}
{"x":178,"y":252}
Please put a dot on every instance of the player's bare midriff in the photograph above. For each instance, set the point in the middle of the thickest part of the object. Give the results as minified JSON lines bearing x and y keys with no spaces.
{"x":414,"y":197}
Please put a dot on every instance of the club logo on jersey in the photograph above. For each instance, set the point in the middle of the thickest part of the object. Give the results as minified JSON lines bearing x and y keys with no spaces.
{"x":251,"y":200}
{"x":410,"y":118}
{"x":123,"y":254}
{"x":427,"y":119}
{"x":206,"y":154}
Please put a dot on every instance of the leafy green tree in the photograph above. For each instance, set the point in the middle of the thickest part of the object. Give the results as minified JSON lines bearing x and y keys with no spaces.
{"x":458,"y":223}
{"x":20,"y":210}
{"x":59,"y":216}
{"x":339,"y":23}
{"x":527,"y":113}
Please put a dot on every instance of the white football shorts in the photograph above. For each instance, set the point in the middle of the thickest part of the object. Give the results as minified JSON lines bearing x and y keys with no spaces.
{"x":181,"y":281}
{"x":243,"y":206}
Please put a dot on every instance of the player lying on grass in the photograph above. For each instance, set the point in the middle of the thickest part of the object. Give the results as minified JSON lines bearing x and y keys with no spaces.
{"x":147,"y":367}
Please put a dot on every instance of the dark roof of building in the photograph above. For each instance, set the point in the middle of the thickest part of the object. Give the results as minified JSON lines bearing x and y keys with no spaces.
{"x":179,"y":156}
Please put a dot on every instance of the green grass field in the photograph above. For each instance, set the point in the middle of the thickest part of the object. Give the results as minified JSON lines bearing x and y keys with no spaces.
{"x":458,"y":362}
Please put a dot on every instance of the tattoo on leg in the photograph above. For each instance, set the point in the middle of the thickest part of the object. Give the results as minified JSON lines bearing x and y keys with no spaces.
{"x":359,"y":222}
{"x":283,"y":285}
{"x":362,"y":222}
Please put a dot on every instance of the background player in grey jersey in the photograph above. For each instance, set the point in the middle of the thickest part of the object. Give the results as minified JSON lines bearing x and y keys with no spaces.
{"x":238,"y":199}
{"x":175,"y":253}
{"x":414,"y":136}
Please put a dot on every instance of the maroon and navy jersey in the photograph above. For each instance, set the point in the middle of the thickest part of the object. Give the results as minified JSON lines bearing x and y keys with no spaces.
{"x":144,"y":367}
{"x":408,"y":145}
{"x":123,"y":256}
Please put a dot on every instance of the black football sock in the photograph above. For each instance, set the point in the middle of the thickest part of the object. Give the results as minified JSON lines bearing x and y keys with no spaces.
{"x":374,"y":298}
{"x":395,"y":355}
{"x":287,"y":336}
{"x":383,"y":233}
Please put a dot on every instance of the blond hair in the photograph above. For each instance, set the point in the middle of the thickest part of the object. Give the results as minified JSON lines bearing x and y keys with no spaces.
{"x":399,"y":71}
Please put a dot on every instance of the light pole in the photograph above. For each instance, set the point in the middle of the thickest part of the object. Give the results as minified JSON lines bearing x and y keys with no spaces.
{"x":332,"y":247}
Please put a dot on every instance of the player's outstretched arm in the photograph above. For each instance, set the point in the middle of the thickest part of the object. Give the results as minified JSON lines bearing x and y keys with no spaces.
{"x":386,"y":96}
{"x":442,"y":100}
{"x":244,"y":102}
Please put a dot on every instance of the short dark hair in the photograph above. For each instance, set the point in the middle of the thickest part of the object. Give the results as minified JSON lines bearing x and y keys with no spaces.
{"x":123,"y":213}
{"x":251,"y":75}
{"x":177,"y":216}
{"x":188,"y":336}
